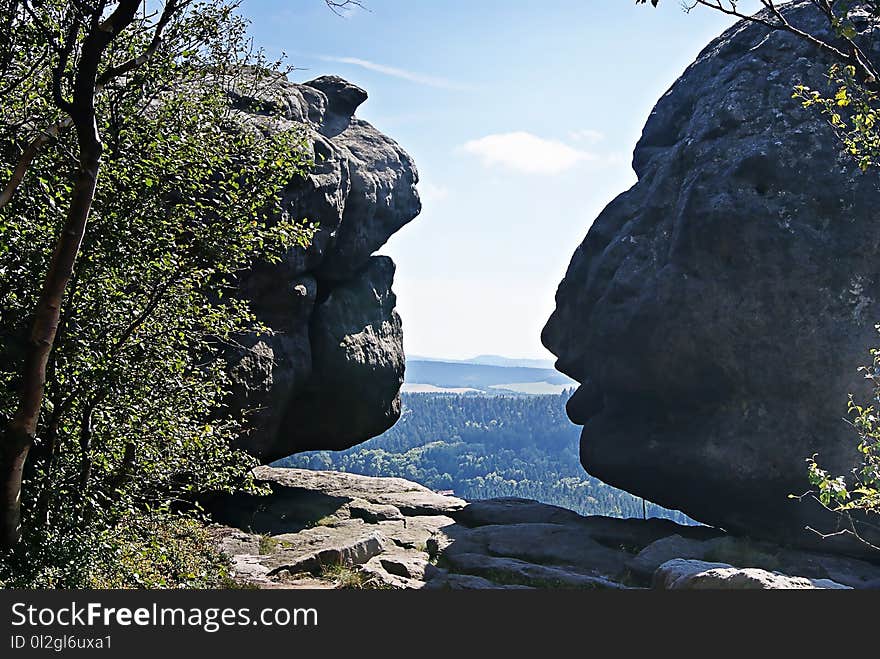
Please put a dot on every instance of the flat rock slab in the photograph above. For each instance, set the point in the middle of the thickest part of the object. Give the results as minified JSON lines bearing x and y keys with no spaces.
{"x":323,"y":529}
{"x":755,"y":554}
{"x":313,"y":550}
{"x":469,"y":582}
{"x":504,"y":570}
{"x":408,"y":497}
{"x":542,"y":544}
{"x":659,"y":552}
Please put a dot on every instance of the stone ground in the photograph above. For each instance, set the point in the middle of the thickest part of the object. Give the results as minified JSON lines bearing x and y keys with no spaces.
{"x":331,"y":530}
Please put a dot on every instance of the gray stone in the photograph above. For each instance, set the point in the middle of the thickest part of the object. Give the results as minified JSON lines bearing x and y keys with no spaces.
{"x":392,"y":533}
{"x":513,"y":511}
{"x":314,"y":550}
{"x":842,"y":569}
{"x":409,"y":498}
{"x":666,"y":549}
{"x":542,"y":544}
{"x":376,"y":576}
{"x":469,"y":582}
{"x":329,"y":371}
{"x":373,"y":512}
{"x":717,"y":312}
{"x":633,"y":534}
{"x":682,"y":574}
{"x":407,"y":564}
{"x":512,"y":571}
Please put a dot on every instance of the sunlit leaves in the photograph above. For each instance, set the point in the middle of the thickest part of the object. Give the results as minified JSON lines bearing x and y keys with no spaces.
{"x":852,"y":110}
{"x":188,"y":198}
{"x":860,"y":492}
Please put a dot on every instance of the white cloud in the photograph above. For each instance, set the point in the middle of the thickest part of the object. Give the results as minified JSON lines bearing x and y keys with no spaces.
{"x":587,"y":135}
{"x":524,"y":152}
{"x":403,"y":74}
{"x":429,"y":192}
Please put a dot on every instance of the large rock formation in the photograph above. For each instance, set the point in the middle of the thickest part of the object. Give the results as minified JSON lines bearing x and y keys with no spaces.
{"x":328,"y":374}
{"x":717,"y":312}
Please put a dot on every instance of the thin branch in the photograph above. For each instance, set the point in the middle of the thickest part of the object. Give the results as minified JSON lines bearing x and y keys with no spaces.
{"x":773,"y":18}
{"x":27,"y":157}
{"x":171,"y":8}
{"x":339,"y":7}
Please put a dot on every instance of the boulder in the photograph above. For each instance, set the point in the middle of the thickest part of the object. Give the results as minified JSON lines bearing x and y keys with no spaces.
{"x":717,"y":312}
{"x":647,"y":561}
{"x":681,"y":574}
{"x":327,"y":374}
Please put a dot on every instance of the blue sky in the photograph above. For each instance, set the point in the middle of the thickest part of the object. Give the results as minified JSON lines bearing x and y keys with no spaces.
{"x":521,"y":117}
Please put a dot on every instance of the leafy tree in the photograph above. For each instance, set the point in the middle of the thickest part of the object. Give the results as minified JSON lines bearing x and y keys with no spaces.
{"x":117,"y":391}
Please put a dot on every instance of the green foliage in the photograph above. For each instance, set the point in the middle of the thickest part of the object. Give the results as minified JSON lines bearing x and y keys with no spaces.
{"x":134,"y":424}
{"x":161,"y":551}
{"x":268,"y":544}
{"x":856,"y":499}
{"x":151,"y":549}
{"x":345,"y":576}
{"x":484,"y":447}
{"x":852,"y":110}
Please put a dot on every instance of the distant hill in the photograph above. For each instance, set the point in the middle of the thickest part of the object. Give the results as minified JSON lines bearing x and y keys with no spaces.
{"x":486,"y":378}
{"x":490,"y":360}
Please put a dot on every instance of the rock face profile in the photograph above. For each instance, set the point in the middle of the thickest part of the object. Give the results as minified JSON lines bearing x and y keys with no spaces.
{"x":717,"y":312}
{"x":328,"y":374}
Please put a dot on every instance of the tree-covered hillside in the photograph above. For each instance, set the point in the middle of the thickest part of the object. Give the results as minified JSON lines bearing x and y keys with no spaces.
{"x":483,"y":447}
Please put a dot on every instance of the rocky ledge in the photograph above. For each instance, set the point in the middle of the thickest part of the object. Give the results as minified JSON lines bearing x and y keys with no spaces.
{"x":327,"y":529}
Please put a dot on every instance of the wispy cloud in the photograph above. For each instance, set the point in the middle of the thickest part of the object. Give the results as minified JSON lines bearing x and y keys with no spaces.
{"x":395,"y":72}
{"x":524,"y":152}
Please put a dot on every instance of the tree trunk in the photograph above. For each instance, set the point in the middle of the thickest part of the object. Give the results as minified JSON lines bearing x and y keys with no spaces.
{"x":21,"y":431}
{"x":18,"y":436}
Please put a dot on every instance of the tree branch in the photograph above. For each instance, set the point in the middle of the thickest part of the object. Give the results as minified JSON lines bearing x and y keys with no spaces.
{"x":855,"y":57}
{"x":171,"y":8}
{"x":27,"y":157}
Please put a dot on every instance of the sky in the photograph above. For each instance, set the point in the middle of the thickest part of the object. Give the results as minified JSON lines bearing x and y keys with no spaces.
{"x":521,"y":117}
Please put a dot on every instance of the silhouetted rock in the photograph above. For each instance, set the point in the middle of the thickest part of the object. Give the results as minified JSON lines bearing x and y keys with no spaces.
{"x":327,"y":376}
{"x":717,"y":312}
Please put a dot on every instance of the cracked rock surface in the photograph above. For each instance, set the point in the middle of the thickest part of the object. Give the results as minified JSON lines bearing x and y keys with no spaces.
{"x":321,"y":529}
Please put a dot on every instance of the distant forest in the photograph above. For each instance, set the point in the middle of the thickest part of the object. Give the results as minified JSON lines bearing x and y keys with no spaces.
{"x":483,"y":447}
